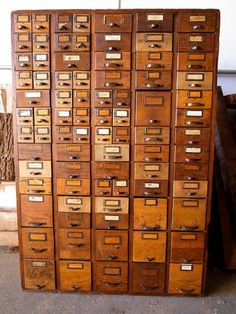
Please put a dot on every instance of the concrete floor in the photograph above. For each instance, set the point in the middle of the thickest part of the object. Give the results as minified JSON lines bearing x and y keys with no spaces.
{"x":221,"y":298}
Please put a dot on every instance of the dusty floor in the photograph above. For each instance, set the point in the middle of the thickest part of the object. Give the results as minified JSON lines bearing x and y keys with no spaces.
{"x":221,"y":298}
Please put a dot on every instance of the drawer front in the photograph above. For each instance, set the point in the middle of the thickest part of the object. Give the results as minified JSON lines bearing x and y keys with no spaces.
{"x":37,"y":242}
{"x":72,"y":170}
{"x":149,"y":246}
{"x":63,"y":134}
{"x":74,"y":220}
{"x":34,"y":152}
{"x":151,"y":153}
{"x":41,"y":42}
{"x":42,"y":80}
{"x":72,"y":152}
{"x":111,"y":245}
{"x":152,"y":135}
{"x":63,"y":80}
{"x":111,"y":221}
{"x":112,"y":60}
{"x":74,"y":244}
{"x":149,"y":214}
{"x":187,"y":247}
{"x":121,"y":134}
{"x":103,"y":135}
{"x":42,"y":116}
{"x":63,"y":42}
{"x":75,"y":276}
{"x":121,"y":98}
{"x":81,"y":116}
{"x":40,"y":23}
{"x":112,"y":79}
{"x":25,"y":134}
{"x":195,"y":62}
{"x":110,"y":205}
{"x":113,"y":42}
{"x":151,"y":188}
{"x":39,"y":274}
{"x":192,"y":136}
{"x":111,"y":277}
{"x":67,"y":204}
{"x":41,"y":61}
{"x":191,"y":171}
{"x":153,"y":60}
{"x":69,"y":61}
{"x":35,"y":169}
{"x":103,"y":116}
{"x":36,"y":210}
{"x":154,"y":22}
{"x":42,"y":134}
{"x":196,"y":22}
{"x":111,"y":153}
{"x":157,"y":171}
{"x":148,"y":278}
{"x":103,"y":98}
{"x":32,"y":98}
{"x":73,"y":187}
{"x":68,"y":42}
{"x":196,"y":42}
{"x":63,"y":116}
{"x":63,"y":23}
{"x":121,"y":117}
{"x":153,"y":108}
{"x":81,"y":42}
{"x":35,"y":186}
{"x":194,"y":99}
{"x":192,"y":189}
{"x":81,"y":23}
{"x":189,"y":214}
{"x":113,"y":23}
{"x":24,"y":80}
{"x":111,"y":187}
{"x":117,"y":98}
{"x":112,"y":169}
{"x":81,"y":80}
{"x":154,"y":42}
{"x":24,"y":116}
{"x":185,"y":279}
{"x":81,"y":135}
{"x":22,"y":23}
{"x":193,"y":117}
{"x":23,"y":61}
{"x":153,"y":80}
{"x":196,"y":154}
{"x":196,"y":80}
{"x":23,"y":42}
{"x":81,"y":98}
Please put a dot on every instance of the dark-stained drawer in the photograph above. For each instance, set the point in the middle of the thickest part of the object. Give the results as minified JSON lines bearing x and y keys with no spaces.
{"x":73,"y":187}
{"x":112,"y":169}
{"x":81,"y":80}
{"x":189,"y":214}
{"x":111,"y":221}
{"x":103,"y":116}
{"x":111,"y":186}
{"x":193,"y":117}
{"x":194,"y":99}
{"x":62,"y":80}
{"x":196,"y":21}
{"x":154,"y":42}
{"x":113,"y":23}
{"x":151,"y":171}
{"x":192,"y":136}
{"x":81,"y":116}
{"x":191,"y":171}
{"x":63,"y":134}
{"x":63,"y":23}
{"x":196,"y":42}
{"x":112,"y":79}
{"x":72,"y":152}
{"x":149,"y":214}
{"x":22,"y":23}
{"x":148,"y":278}
{"x":72,"y":170}
{"x":152,"y":135}
{"x":41,"y":23}
{"x":34,"y":152}
{"x":117,"y":98}
{"x":194,"y":80}
{"x":39,"y":274}
{"x":153,"y":60}
{"x":121,"y":134}
{"x":74,"y":244}
{"x":195,"y":61}
{"x":153,"y":108}
{"x":158,"y":21}
{"x":75,"y":276}
{"x":81,"y":98}
{"x":36,"y":210}
{"x":35,"y":186}
{"x":32,"y":98}
{"x":74,"y":220}
{"x":81,"y":23}
{"x":150,"y":188}
{"x":41,"y":42}
{"x":76,"y":42}
{"x":37,"y":242}
{"x":191,"y":153}
{"x":151,"y":153}
{"x":111,"y":245}
{"x":111,"y":277}
{"x":112,"y":152}
{"x":71,"y":61}
{"x":23,"y":42}
{"x":113,"y":42}
{"x":187,"y":247}
{"x":193,"y":189}
{"x":149,"y":246}
{"x":112,"y":60}
{"x":153,"y":80}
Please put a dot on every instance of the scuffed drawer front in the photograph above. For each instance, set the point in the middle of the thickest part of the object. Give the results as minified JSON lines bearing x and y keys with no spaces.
{"x":151,"y":188}
{"x":158,"y":21}
{"x":33,"y":98}
{"x":154,"y":42}
{"x":196,"y":42}
{"x":73,"y":187}
{"x":152,"y":153}
{"x":153,"y":60}
{"x":193,"y":189}
{"x":35,"y":169}
{"x":196,"y":80}
{"x":113,"y":23}
{"x":72,"y":152}
{"x":112,"y":60}
{"x":112,"y":170}
{"x":196,"y":22}
{"x":69,"y":61}
{"x":152,"y":135}
{"x":112,"y":79}
{"x":34,"y":152}
{"x":195,"y":62}
{"x":153,"y":80}
{"x":112,"y":42}
{"x":112,"y":152}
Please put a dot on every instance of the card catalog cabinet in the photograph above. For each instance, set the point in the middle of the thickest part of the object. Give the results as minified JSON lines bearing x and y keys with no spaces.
{"x":114,"y":118}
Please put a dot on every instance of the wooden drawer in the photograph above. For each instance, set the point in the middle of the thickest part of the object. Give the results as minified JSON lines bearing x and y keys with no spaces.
{"x":63,"y":134}
{"x":192,"y":136}
{"x":63,"y":23}
{"x":23,"y":42}
{"x":152,"y":135}
{"x":41,"y":61}
{"x":33,"y":169}
{"x":73,"y":187}
{"x":72,"y":152}
{"x":24,"y":80}
{"x":41,"y":42}
{"x":41,"y":23}
{"x":112,"y":205}
{"x":152,"y":108}
{"x":154,"y":22}
{"x":112,"y":79}
{"x":196,"y":42}
{"x":22,"y":23}
{"x":81,"y":116}
{"x":149,"y":214}
{"x":121,"y":134}
{"x":151,"y":188}
{"x":24,"y":116}
{"x":117,"y":98}
{"x":25,"y":134}
{"x":74,"y":220}
{"x":151,"y":153}
{"x":74,"y":244}
{"x":23,"y":61}
{"x":157,"y":171}
{"x":42,"y":116}
{"x":34,"y":152}
{"x":185,"y":279}
{"x":196,"y":80}
{"x":81,"y":23}
{"x":121,"y":98}
{"x":149,"y":246}
{"x":191,"y":171}
{"x":113,"y":42}
{"x":192,"y":189}
{"x":154,"y":42}
{"x":81,"y":98}
{"x":75,"y":42}
{"x":195,"y":61}
{"x":103,"y":116}
{"x":121,"y":117}
{"x":68,"y":204}
{"x":81,"y":80}
{"x":39,"y":274}
{"x":112,"y":152}
{"x":112,"y":60}
{"x":63,"y":116}
{"x":196,"y":21}
{"x":71,"y":61}
{"x":187,"y":247}
{"x":111,"y":187}
{"x":191,"y":153}
{"x":81,"y":42}
{"x":113,"y":23}
{"x":194,"y":99}
{"x":153,"y":80}
{"x":81,"y":135}
{"x":42,"y":134}
{"x":111,"y":245}
{"x":41,"y":80}
{"x":103,"y":98}
{"x":111,"y":221}
{"x":32,"y":98}
{"x":193,"y":117}
{"x":188,"y":214}
{"x":36,"y":211}
{"x":111,"y":277}
{"x":75,"y":276}
{"x":72,"y":170}
{"x":35,"y":186}
{"x":37,"y":242}
{"x":63,"y":42}
{"x":153,"y":60}
{"x":103,"y":135}
{"x":63,"y":80}
{"x":112,"y":169}
{"x":148,"y":278}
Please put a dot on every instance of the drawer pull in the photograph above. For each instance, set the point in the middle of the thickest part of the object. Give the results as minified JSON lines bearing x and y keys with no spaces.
{"x":81,"y":45}
{"x":149,"y":259}
{"x":121,"y":121}
{"x":185,"y":291}
{"x":39,"y":250}
{"x":38,"y":286}
{"x":81,"y":99}
{"x":111,"y":25}
{"x":81,"y":84}
{"x":111,"y":177}
{"x":194,"y":85}
{"x":74,"y":225}
{"x":149,"y":287}
{"x":64,"y":47}
{"x":71,"y":65}
{"x":121,"y":104}
{"x":153,"y":85}
{"x":40,"y":27}
{"x":153,"y":121}
{"x":63,"y":27}
{"x":154,"y":46}
{"x":151,"y":159}
{"x":197,"y":26}
{"x":104,"y":193}
{"x":119,"y":140}
{"x":41,"y":84}
{"x":111,"y":284}
{"x":34,"y":158}
{"x":154,"y":228}
{"x":188,"y":228}
{"x":76,"y":288}
{"x":112,"y":49}
{"x":74,"y":208}
{"x":64,"y":138}
{"x":195,"y":66}
{"x":20,"y":27}
{"x":73,"y":192}
{"x":194,"y":122}
{"x":81,"y":26}
{"x":40,"y":47}
{"x":36,"y":191}
{"x":64,"y":121}
{"x":153,"y":139}
{"x":103,"y":121}
{"x":37,"y":224}
{"x":40,"y":65}
{"x":112,"y":157}
{"x":81,"y":121}
{"x":103,"y":139}
{"x":192,"y":142}
{"x":43,"y":121}
{"x":194,"y":104}
{"x":112,"y":257}
{"x":151,"y":175}
{"x":193,"y":159}
{"x":23,"y":65}
{"x":103,"y":102}
{"x":81,"y":139}
{"x":43,"y":138}
{"x":26,"y":138}
{"x":112,"y":84}
{"x":64,"y":102}
{"x":196,"y":48}
{"x":154,"y":25}
{"x":35,"y":173}
{"x":23,"y":47}
{"x":190,"y":193}
{"x":154,"y":66}
{"x":63,"y":84}
{"x":26,"y":121}
{"x":73,"y":176}
{"x":24,"y":84}
{"x":120,"y":193}
{"x":109,"y":64}
{"x":109,"y":209}
{"x":150,"y":193}
{"x":190,"y":178}
{"x":187,"y":260}
{"x":112,"y":227}
{"x":76,"y":245}
{"x":32,"y":102}
{"x":73,"y":157}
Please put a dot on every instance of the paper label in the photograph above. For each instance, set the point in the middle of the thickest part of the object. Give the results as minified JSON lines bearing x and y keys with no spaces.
{"x":197,"y":18}
{"x":41,"y":76}
{"x":82,"y":76}
{"x":82,"y":131}
{"x":113,"y":56}
{"x":23,"y":58}
{"x":103,"y":131}
{"x":35,"y":165}
{"x":186,"y":267}
{"x":104,"y":94}
{"x":195,"y":77}
{"x":32,"y":94}
{"x":192,"y":132}
{"x":24,"y":113}
{"x":194,"y":113}
{"x":41,"y":57}
{"x":35,"y":198}
{"x":39,"y":264}
{"x":112,"y":37}
{"x":196,"y":38}
{"x":71,"y":58}
{"x":64,"y":113}
{"x":112,"y":149}
{"x":81,"y":18}
{"x":152,"y":185}
{"x":121,"y":113}
{"x":195,"y":150}
{"x":155,"y":17}
{"x":112,"y":218}
{"x":75,"y":201}
{"x":122,"y":183}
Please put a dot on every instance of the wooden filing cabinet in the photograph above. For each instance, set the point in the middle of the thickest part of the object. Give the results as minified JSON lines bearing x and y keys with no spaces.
{"x":114,"y":119}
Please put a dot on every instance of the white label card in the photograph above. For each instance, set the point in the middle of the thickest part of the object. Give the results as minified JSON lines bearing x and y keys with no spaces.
{"x":103,"y":131}
{"x":41,"y":57}
{"x":121,"y":183}
{"x":121,"y":113}
{"x":195,"y":77}
{"x":113,"y":37}
{"x":194,"y":113}
{"x":152,"y":185}
{"x":193,"y":150}
{"x":113,"y":56}
{"x":23,"y":59}
{"x":112,"y":218}
{"x":24,"y":113}
{"x":186,"y":267}
{"x":35,"y":198}
{"x":111,"y":149}
{"x":77,"y":201}
{"x":35,"y":165}
{"x":155,"y":17}
{"x":192,"y":132}
{"x":64,"y":113}
{"x":104,"y":95}
{"x":32,"y":94}
{"x":41,"y":76}
{"x":72,"y":58}
{"x":82,"y":131}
